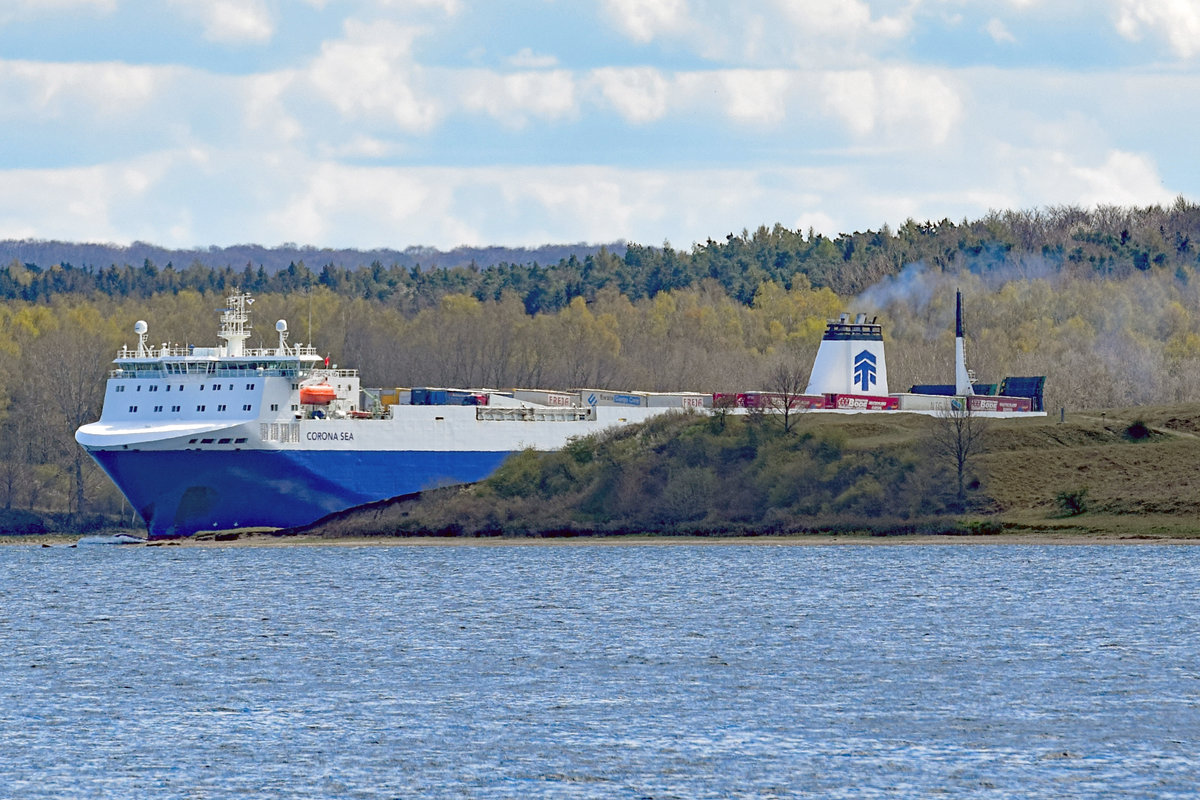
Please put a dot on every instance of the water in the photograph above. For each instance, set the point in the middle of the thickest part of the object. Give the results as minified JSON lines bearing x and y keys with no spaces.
{"x":600,"y":671}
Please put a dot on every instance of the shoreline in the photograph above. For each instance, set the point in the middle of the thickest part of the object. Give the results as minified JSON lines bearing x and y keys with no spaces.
{"x":1031,"y":538}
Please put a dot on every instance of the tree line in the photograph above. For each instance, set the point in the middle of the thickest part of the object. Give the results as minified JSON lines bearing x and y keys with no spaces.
{"x":1106,"y":242}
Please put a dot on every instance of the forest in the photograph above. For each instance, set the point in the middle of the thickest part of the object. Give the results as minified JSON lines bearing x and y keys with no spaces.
{"x":1105,"y":302}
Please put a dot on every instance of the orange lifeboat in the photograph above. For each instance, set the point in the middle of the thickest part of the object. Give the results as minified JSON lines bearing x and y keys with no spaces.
{"x":321,"y":394}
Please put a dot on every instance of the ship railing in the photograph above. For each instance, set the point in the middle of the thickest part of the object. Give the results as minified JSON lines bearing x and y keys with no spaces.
{"x":504,"y":414}
{"x":175,"y":351}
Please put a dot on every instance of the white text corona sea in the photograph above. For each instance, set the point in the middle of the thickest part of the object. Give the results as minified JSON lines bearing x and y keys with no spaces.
{"x":216,"y":438}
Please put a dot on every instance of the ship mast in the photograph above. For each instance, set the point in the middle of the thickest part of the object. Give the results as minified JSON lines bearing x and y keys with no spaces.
{"x":235,"y":323}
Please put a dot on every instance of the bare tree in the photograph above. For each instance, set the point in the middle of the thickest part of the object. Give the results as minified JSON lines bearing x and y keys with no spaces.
{"x":66,"y":370}
{"x":958,"y":435}
{"x":786,"y":382}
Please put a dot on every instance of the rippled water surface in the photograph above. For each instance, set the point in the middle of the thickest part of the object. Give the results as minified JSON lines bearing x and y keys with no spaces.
{"x":599,"y":671}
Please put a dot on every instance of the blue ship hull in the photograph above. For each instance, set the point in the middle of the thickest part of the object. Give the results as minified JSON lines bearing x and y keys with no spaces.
{"x":179,"y":493}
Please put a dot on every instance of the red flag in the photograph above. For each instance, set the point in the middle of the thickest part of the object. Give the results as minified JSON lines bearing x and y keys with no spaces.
{"x":327,"y":361}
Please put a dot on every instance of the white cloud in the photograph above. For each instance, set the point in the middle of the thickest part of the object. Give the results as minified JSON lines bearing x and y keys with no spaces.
{"x":292,"y":197}
{"x":525,"y":58}
{"x":999,"y":32}
{"x":50,"y":91}
{"x":512,"y":99}
{"x":645,"y":20}
{"x":756,"y":96}
{"x":230,"y":21}
{"x":448,"y":7}
{"x":639,"y":94}
{"x":1178,"y":21}
{"x":77,"y":204}
{"x":370,"y":74}
{"x":842,"y":19}
{"x":265,"y":110}
{"x":1123,"y":178}
{"x":818,"y":33}
{"x":27,"y":9}
{"x":907,"y":105}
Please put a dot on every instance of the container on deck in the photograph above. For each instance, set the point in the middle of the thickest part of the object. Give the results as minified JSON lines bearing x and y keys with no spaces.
{"x":546,"y":397}
{"x":427,"y":396}
{"x":603,"y":397}
{"x":924,"y":402}
{"x":862,"y":402}
{"x":996,"y":403}
{"x":774,"y":401}
{"x":678,"y":400}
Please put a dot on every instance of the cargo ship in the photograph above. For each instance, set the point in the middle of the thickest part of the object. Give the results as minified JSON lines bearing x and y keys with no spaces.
{"x":227,"y":437}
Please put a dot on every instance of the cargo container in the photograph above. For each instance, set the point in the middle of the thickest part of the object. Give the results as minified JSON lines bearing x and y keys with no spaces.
{"x":603,"y":397}
{"x":924,"y":402}
{"x":390,"y":396}
{"x":545,"y":397}
{"x":862,"y":402}
{"x":678,"y":400}
{"x":997,"y":403}
{"x":768,"y":401}
{"x":425,"y":396}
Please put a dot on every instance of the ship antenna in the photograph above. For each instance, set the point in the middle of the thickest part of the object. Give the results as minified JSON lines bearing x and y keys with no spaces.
{"x":281,"y":327}
{"x":140,"y":329}
{"x":235,"y":323}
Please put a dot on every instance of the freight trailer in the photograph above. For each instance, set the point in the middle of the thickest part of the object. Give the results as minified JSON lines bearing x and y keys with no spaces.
{"x":678,"y":400}
{"x":603,"y":397}
{"x":546,"y":397}
{"x":862,"y":402}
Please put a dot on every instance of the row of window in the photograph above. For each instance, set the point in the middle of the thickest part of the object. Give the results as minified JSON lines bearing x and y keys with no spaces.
{"x":239,"y":440}
{"x":216,"y":387}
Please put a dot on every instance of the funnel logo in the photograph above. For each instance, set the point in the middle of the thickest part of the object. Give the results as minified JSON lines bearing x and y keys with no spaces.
{"x":864,"y":370}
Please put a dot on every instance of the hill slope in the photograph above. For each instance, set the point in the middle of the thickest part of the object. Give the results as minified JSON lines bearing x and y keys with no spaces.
{"x":696,"y":475}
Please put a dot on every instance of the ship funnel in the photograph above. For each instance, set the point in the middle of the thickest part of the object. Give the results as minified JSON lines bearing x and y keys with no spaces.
{"x":850,"y":359}
{"x":962,"y":378}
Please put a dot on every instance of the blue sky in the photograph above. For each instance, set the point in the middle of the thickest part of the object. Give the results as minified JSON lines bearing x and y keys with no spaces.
{"x":391,"y":123}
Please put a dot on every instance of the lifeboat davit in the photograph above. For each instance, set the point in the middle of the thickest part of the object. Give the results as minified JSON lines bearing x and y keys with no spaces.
{"x":321,"y":394}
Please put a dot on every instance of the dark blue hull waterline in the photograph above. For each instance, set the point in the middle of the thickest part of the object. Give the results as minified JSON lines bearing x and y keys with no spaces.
{"x":179,"y":493}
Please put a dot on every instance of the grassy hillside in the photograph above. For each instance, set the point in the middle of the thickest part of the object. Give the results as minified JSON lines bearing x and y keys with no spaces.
{"x":1131,"y":472}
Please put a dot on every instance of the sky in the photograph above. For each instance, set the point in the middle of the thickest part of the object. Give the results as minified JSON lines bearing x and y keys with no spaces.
{"x":398,"y":123}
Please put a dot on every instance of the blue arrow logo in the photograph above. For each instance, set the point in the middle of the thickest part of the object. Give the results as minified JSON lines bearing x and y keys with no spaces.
{"x":864,"y":369}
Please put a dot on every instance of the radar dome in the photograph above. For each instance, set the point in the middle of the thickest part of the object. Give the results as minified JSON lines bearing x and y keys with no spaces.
{"x":281,"y":326}
{"x":140,"y":327}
